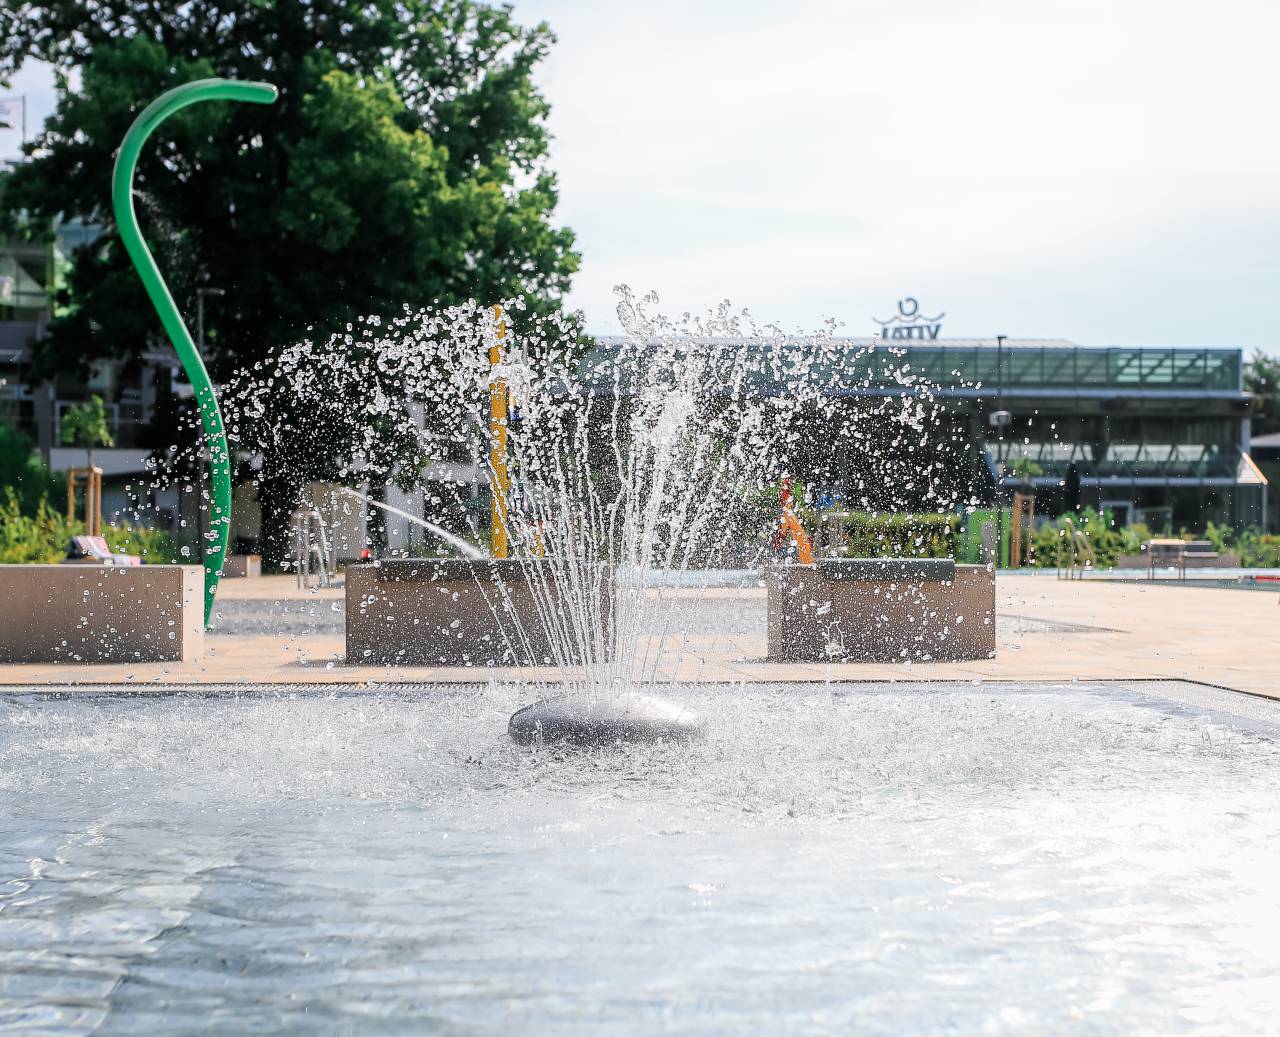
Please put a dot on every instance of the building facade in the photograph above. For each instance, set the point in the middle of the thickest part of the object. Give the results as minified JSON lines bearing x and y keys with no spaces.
{"x":1155,"y":434}
{"x":1158,"y":435}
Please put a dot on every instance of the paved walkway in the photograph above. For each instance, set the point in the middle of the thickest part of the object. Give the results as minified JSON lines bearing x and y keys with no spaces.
{"x":1049,"y":630}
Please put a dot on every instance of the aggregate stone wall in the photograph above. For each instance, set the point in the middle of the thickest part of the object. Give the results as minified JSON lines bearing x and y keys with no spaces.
{"x":881,"y":613}
{"x":445,"y":612}
{"x":100,"y":613}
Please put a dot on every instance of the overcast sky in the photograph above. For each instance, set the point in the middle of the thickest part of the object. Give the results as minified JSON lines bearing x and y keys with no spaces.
{"x":1104,"y":172}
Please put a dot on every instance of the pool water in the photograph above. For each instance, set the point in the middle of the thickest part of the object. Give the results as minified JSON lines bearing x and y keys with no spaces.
{"x":831,"y":859}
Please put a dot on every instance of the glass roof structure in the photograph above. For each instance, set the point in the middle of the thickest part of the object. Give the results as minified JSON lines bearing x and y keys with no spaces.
{"x":977,"y":367}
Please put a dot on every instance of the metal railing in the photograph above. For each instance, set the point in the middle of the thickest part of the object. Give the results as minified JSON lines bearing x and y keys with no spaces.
{"x":1074,"y":552}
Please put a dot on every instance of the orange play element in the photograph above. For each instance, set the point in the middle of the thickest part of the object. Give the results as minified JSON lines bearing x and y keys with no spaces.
{"x":789,"y":528}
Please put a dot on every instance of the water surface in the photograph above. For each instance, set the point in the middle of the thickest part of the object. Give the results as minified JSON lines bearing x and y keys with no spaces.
{"x":831,"y":860}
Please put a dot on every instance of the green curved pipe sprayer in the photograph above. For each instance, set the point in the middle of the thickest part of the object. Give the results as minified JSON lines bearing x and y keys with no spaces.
{"x":127,"y":220}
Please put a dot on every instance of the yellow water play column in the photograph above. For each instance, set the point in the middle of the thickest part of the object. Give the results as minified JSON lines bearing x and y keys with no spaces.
{"x":499,"y":479}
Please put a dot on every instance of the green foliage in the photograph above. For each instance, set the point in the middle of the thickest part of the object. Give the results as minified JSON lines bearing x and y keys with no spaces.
{"x":39,"y":537}
{"x":24,"y":474}
{"x":1026,"y":469}
{"x":153,"y":546}
{"x":1106,"y":541}
{"x":85,"y":426}
{"x":404,"y":164}
{"x":1258,"y":550}
{"x":900,"y":535}
{"x":1255,"y":548}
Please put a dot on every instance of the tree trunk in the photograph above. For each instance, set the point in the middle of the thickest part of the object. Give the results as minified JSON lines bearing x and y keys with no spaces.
{"x":279,"y":492}
{"x":376,"y":522}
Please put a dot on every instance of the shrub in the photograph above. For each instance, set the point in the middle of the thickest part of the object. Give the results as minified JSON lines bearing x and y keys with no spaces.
{"x":861,"y":534}
{"x":22,"y":471}
{"x":41,"y":537}
{"x":1258,"y":550}
{"x":1106,"y":541}
{"x":153,"y":546}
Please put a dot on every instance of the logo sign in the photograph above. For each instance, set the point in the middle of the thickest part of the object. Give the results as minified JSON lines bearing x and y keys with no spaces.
{"x":909,"y":323}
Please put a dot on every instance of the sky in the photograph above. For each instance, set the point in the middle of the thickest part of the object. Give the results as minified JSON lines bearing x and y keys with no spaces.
{"x":1103,"y":172}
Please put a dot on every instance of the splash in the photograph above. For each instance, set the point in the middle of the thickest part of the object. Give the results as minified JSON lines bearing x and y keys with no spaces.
{"x":635,"y":463}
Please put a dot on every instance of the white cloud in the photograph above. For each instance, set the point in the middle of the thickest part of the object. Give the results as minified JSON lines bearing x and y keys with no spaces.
{"x":1100,"y":171}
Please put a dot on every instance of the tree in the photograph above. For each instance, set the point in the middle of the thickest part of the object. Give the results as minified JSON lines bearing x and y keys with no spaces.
{"x":85,"y":426}
{"x":1071,"y":489}
{"x":23,"y":473}
{"x":1262,"y":378}
{"x":404,"y":164}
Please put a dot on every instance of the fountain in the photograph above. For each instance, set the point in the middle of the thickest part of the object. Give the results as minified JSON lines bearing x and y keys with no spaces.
{"x":607,"y":473}
{"x":936,"y":858}
{"x":618,"y":469}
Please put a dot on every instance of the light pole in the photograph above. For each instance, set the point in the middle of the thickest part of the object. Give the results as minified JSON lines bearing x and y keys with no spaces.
{"x":998,"y":419}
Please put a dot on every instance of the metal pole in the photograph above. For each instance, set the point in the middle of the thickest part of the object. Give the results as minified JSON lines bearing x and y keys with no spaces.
{"x":127,"y":223}
{"x":499,"y":479}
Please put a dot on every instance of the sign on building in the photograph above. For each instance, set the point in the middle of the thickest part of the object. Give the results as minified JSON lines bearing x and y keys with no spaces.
{"x":910,"y":323}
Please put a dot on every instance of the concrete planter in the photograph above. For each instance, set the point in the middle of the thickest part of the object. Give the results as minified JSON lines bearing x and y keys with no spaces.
{"x":440,"y":612}
{"x":881,"y":610}
{"x":101,"y":613}
{"x":241,"y":567}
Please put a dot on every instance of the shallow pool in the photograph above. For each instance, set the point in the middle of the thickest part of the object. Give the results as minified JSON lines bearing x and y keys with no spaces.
{"x":833,"y":859}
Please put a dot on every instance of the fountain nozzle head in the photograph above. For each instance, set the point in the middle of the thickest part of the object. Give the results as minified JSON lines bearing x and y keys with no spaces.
{"x":629,"y":717}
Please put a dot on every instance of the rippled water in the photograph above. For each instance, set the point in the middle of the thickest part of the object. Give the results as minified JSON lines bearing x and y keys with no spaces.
{"x":858,"y":859}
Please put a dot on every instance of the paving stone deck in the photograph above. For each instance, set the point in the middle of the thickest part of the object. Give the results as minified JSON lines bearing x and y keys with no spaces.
{"x":1048,"y":630}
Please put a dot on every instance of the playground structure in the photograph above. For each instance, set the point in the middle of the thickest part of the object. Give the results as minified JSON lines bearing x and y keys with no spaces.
{"x":192,"y":363}
{"x":1023,"y":518}
{"x":499,"y":477}
{"x":790,"y":528}
{"x":311,"y":547}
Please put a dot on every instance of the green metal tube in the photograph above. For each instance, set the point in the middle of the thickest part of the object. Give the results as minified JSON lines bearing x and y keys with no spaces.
{"x":215,"y":435}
